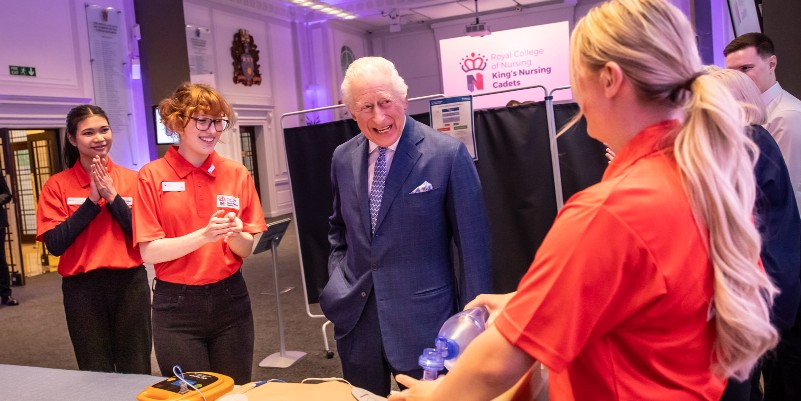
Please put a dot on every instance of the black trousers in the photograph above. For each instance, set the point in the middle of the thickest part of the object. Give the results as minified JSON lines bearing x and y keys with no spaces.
{"x":108,"y":318}
{"x":782,"y":370}
{"x":779,"y":369}
{"x":747,"y":390}
{"x":204,"y":327}
{"x":5,"y":279}
{"x":364,"y":362}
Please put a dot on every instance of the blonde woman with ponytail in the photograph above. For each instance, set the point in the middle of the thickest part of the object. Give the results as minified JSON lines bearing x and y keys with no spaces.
{"x":648,"y":286}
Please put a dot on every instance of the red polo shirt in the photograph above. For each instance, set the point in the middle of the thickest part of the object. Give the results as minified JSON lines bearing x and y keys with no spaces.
{"x":617,"y":301}
{"x":176,"y":198}
{"x":102,"y":243}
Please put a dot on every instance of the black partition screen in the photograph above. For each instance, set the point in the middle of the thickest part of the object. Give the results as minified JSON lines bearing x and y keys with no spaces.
{"x":581,"y":158}
{"x":514,"y":165}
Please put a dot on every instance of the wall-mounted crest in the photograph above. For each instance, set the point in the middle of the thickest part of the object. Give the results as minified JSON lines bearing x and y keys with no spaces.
{"x":246,"y":59}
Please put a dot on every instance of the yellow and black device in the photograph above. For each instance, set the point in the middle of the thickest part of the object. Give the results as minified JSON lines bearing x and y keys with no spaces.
{"x":191,"y":386}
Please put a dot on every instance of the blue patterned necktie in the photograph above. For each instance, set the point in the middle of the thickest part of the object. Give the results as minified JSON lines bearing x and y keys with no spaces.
{"x":377,"y":189}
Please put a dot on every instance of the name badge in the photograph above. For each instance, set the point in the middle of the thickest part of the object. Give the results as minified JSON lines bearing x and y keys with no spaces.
{"x":179,"y":186}
{"x":75,"y":201}
{"x":227,"y":202}
{"x":128,"y":200}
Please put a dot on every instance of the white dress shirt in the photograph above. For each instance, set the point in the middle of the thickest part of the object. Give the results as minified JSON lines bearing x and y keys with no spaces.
{"x":784,"y":124}
{"x":374,"y":156}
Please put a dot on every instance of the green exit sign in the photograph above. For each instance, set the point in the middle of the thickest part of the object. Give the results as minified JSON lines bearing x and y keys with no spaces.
{"x":22,"y":70}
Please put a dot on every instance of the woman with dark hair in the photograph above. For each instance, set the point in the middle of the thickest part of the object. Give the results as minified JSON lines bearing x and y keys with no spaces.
{"x":195,"y":216}
{"x":84,"y":217}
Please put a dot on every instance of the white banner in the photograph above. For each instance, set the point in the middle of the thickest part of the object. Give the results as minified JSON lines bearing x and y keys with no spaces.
{"x":515,"y":58}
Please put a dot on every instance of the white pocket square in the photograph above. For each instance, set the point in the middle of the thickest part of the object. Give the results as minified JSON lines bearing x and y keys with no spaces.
{"x":424,"y":187}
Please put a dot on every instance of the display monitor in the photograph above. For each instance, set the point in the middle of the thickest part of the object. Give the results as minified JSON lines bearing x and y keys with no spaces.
{"x":162,"y":137}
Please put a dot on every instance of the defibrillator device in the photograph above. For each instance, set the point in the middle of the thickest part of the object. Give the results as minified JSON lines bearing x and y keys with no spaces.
{"x":190,"y":386}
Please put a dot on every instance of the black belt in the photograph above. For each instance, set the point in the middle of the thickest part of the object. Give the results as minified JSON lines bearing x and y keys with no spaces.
{"x":205,"y":288}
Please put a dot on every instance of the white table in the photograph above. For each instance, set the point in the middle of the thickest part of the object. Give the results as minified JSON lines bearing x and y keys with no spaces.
{"x":26,"y":383}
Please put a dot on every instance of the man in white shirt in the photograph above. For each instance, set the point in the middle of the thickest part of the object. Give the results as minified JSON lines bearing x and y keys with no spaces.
{"x":754,"y":55}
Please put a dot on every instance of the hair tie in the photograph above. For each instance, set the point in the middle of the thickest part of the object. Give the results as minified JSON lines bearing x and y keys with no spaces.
{"x":689,"y":82}
{"x":687,"y":85}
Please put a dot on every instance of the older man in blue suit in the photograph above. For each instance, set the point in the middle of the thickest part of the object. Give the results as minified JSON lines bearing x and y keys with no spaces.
{"x":403,"y":194}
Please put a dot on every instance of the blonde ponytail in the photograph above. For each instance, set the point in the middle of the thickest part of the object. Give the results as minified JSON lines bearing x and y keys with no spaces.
{"x":716,"y":160}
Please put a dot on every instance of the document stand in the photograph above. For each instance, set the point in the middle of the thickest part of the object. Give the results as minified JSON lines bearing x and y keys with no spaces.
{"x":269,"y":241}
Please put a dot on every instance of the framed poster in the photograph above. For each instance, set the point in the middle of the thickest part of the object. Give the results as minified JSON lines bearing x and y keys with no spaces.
{"x":199,"y":49}
{"x":454,"y":116}
{"x":745,"y":16}
{"x":109,"y":66}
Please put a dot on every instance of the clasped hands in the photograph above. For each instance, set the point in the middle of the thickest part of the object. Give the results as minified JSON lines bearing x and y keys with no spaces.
{"x":100,"y":183}
{"x":223,"y":226}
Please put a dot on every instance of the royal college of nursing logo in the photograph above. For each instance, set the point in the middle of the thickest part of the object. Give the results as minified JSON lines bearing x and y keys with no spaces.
{"x":474,"y":62}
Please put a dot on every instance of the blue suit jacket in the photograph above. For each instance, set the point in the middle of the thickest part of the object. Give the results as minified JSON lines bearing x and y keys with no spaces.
{"x":779,"y":226}
{"x":408,"y":263}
